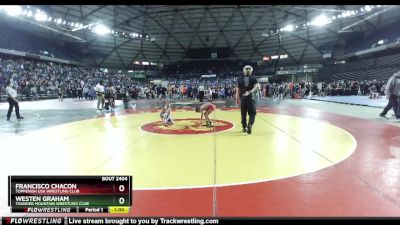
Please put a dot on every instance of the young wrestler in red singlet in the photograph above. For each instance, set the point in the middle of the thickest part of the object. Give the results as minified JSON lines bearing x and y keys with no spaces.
{"x":206,"y":109}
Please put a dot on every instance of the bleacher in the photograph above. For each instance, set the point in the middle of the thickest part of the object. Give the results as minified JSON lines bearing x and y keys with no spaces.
{"x":13,"y":39}
{"x":371,"y":74}
{"x":390,"y":34}
{"x":390,"y":60}
{"x":379,"y":66}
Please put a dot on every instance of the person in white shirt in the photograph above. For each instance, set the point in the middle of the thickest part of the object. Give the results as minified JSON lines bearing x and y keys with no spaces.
{"x":12,"y":101}
{"x":201,"y":92}
{"x":392,"y":93}
{"x":86,"y":92}
{"x":210,"y":93}
{"x":100,"y":95}
{"x":319,"y":87}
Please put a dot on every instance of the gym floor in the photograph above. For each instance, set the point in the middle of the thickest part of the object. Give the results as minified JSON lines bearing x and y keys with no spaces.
{"x":304,"y":158}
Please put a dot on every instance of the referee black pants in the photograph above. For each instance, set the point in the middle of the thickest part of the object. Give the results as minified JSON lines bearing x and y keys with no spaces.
{"x":394,"y":101}
{"x":12,"y":103}
{"x":386,"y":109}
{"x":201,"y":96}
{"x":248,"y":106}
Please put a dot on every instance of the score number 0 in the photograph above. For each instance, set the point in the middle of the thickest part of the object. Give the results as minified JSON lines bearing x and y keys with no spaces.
{"x":121,"y":188}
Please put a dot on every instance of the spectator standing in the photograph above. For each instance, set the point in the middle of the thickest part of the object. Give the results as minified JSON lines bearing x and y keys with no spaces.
{"x":100,"y":95}
{"x":12,"y":101}
{"x":392,"y":92}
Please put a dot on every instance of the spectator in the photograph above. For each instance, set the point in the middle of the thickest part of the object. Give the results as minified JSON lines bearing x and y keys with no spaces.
{"x":12,"y":101}
{"x":393,"y":92}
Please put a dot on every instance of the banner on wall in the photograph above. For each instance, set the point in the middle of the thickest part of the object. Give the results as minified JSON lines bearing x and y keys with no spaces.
{"x":209,"y":75}
{"x":300,"y":71}
{"x":138,"y":74}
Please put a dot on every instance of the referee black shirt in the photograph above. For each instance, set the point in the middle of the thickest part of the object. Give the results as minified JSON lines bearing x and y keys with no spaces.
{"x":246,"y":83}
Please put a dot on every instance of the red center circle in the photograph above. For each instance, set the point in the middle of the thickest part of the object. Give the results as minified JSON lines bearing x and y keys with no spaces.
{"x":187,"y":126}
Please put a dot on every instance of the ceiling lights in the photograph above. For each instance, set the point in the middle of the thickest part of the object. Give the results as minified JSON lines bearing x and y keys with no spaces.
{"x":320,"y":20}
{"x":288,"y":28}
{"x":101,"y":29}
{"x":12,"y":10}
{"x":323,"y":19}
{"x":40,"y":16}
{"x":71,"y":26}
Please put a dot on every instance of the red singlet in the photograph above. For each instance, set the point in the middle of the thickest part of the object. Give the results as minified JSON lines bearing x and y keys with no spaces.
{"x":211,"y":107}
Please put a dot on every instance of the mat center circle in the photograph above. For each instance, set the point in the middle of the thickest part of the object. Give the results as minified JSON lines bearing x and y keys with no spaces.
{"x":187,"y":126}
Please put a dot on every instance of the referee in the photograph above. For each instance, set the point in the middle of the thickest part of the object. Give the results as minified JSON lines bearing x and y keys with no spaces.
{"x":100,"y":95}
{"x":12,"y":101}
{"x":247,"y":85}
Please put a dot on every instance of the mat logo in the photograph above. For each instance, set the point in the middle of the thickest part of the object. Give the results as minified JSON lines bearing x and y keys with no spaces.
{"x":187,"y":126}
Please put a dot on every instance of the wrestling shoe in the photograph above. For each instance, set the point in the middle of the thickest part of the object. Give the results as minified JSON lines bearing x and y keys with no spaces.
{"x":383,"y":116}
{"x":249,"y":129}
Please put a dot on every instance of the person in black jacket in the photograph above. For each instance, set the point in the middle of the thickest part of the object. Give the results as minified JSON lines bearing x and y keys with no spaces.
{"x":247,"y":85}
